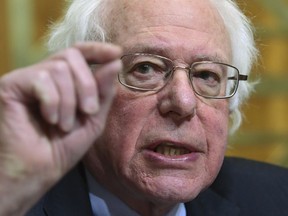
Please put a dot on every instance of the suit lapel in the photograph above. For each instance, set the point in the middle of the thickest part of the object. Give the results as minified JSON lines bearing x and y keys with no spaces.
{"x":209,"y":203}
{"x":69,"y":196}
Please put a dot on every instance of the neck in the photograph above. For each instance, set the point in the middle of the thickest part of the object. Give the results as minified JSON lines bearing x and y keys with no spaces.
{"x":144,"y":207}
{"x":139,"y":205}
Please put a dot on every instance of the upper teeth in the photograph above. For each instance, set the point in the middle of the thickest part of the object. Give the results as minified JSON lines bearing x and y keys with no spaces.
{"x":169,"y":150}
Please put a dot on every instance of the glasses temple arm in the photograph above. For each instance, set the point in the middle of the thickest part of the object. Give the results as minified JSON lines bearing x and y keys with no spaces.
{"x":241,"y":77}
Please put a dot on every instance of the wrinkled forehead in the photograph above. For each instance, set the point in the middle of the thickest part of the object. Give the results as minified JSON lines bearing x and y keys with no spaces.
{"x":132,"y":14}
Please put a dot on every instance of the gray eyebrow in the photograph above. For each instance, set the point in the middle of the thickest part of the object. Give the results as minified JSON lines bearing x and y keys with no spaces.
{"x":213,"y":58}
{"x":147,"y":49}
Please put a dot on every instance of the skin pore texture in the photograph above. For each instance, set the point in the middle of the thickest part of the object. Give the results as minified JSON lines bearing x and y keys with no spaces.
{"x":129,"y":159}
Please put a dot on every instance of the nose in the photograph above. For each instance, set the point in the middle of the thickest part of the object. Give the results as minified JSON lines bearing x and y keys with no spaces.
{"x":177,"y":99}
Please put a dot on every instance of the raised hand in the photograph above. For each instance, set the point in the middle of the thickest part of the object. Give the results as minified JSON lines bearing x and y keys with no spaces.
{"x":50,"y":114}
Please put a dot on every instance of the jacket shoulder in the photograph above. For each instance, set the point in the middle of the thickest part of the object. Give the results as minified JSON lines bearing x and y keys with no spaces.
{"x":69,"y":196}
{"x":254,"y":186}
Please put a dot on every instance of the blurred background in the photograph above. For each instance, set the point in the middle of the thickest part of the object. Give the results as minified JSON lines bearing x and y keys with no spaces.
{"x":264,"y":132}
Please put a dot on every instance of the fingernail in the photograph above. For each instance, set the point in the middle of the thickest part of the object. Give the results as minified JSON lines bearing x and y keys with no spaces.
{"x":91,"y":105}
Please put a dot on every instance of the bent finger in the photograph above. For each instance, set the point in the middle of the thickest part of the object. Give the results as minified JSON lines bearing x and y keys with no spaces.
{"x":84,"y":82}
{"x":67,"y":105}
{"x":46,"y":93}
{"x":99,"y":53}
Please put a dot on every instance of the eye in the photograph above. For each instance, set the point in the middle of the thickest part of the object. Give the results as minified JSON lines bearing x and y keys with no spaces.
{"x":146,"y":75}
{"x":144,"y":68}
{"x":144,"y":71}
{"x":209,"y":77}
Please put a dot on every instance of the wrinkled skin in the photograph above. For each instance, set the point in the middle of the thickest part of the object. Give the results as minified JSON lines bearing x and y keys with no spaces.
{"x":123,"y":159}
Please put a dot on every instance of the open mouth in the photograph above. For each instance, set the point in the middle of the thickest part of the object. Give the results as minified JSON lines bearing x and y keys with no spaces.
{"x":168,"y":149}
{"x":168,"y":154}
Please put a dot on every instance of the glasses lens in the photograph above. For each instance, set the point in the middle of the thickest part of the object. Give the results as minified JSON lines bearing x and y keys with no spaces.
{"x":214,"y":80}
{"x":145,"y":71}
{"x":148,"y":72}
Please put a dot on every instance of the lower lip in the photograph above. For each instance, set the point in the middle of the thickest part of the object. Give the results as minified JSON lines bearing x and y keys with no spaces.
{"x":157,"y":158}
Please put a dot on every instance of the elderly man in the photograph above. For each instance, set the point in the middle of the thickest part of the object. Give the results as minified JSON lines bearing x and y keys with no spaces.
{"x":178,"y":71}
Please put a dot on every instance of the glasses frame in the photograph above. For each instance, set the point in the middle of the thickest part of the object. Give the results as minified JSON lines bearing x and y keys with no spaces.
{"x":239,"y":77}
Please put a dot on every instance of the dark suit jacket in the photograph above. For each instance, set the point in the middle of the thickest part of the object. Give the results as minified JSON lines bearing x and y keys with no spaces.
{"x":242,"y":188}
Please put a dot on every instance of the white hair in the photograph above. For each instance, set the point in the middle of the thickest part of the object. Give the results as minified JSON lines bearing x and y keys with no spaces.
{"x":244,"y":52}
{"x":85,"y":21}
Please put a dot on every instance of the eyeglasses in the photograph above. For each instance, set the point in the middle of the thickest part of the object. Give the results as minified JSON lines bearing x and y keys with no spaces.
{"x":149,"y":72}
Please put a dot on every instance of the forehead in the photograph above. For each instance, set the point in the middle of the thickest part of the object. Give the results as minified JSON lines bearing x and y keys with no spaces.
{"x":185,"y":13}
{"x":167,"y":21}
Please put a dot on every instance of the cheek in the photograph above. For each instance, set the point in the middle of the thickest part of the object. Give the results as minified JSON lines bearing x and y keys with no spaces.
{"x":127,"y":118}
{"x":215,"y":119}
{"x":215,"y":123}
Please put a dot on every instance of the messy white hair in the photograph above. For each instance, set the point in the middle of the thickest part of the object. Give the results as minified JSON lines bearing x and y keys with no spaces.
{"x":85,"y":21}
{"x":244,"y":52}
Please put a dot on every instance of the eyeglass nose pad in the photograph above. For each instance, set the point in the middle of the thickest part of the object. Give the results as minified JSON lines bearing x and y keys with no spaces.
{"x":187,"y":69}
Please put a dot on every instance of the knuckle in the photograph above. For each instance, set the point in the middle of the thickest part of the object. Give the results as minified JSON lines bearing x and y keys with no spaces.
{"x":89,"y":84}
{"x":50,"y":102}
{"x":54,"y":100}
{"x":72,"y":52}
{"x":6,"y":85}
{"x":60,"y":66}
{"x":4,"y":81}
{"x":70,"y":102}
{"x":89,"y":88}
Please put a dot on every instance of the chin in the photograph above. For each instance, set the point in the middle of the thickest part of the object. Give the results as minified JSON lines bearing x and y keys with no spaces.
{"x":172,"y":190}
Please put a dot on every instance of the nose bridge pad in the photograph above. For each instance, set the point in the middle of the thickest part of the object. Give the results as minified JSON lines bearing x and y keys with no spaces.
{"x":187,"y":70}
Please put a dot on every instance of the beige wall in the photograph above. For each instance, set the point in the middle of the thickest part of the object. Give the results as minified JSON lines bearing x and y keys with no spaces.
{"x":4,"y":49}
{"x":264,"y":134}
{"x":22,"y":30}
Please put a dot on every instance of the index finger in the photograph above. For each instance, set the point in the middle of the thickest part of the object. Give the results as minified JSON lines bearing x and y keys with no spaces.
{"x":99,"y":53}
